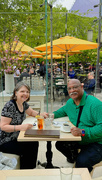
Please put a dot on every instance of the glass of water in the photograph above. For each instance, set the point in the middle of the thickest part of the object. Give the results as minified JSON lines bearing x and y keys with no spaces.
{"x":51,"y":117}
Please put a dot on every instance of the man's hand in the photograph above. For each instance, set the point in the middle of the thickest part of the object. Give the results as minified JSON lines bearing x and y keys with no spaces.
{"x":44,"y":114}
{"x":76,"y":131}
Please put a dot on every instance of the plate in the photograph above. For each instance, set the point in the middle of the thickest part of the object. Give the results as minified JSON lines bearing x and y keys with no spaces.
{"x":64,"y":130}
{"x":57,"y":124}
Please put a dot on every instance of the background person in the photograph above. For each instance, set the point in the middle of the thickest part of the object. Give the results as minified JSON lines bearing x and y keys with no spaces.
{"x":42,"y":69}
{"x":31,"y":71}
{"x":90,"y":84}
{"x":90,"y":125}
{"x":71,"y":73}
{"x":12,"y":116}
{"x":24,"y":74}
{"x":100,"y":74}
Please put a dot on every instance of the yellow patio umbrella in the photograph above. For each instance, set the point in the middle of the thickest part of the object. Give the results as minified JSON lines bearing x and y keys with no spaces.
{"x":55,"y":56}
{"x":27,"y":59}
{"x":21,"y":47}
{"x":31,"y":55}
{"x":62,"y":52}
{"x":68,"y":44}
{"x":36,"y":56}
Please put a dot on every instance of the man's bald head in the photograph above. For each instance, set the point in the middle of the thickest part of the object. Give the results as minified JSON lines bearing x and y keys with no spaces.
{"x":75,"y":90}
{"x":74,"y":81}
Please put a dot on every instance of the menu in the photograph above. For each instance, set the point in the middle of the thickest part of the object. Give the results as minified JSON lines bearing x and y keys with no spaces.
{"x":42,"y":133}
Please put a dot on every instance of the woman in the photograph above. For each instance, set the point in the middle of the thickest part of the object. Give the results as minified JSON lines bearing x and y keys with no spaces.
{"x":12,"y":116}
{"x":31,"y":71}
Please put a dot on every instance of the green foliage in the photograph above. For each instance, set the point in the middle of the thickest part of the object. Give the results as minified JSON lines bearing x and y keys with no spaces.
{"x":87,"y":56}
{"x":22,"y":18}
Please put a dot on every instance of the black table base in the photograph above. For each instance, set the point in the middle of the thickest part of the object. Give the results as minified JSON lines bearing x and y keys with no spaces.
{"x":49,"y":155}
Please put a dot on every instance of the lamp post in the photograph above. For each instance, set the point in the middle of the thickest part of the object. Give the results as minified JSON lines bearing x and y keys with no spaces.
{"x":45,"y":17}
{"x":51,"y":61}
{"x":97,"y":87}
{"x":49,"y":153}
{"x":46,"y":3}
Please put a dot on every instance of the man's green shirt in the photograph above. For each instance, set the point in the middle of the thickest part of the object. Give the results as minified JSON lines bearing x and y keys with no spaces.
{"x":90,"y":120}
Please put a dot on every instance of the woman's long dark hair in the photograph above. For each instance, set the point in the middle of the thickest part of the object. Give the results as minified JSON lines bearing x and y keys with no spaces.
{"x":18,"y":86}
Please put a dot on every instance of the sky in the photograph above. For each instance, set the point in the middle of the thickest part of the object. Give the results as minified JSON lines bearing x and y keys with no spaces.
{"x":66,"y":3}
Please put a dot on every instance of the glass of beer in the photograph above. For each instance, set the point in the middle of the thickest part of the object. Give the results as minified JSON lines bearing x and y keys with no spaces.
{"x":40,"y":121}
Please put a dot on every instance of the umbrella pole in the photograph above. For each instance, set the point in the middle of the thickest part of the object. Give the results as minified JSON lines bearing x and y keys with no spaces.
{"x":67,"y":65}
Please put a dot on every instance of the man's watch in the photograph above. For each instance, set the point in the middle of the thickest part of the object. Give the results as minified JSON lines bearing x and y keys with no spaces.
{"x":83,"y":133}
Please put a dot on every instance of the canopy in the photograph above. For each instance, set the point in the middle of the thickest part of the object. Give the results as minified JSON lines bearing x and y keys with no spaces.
{"x":55,"y":56}
{"x":68,"y":43}
{"x":61,"y":52}
{"x":21,"y":47}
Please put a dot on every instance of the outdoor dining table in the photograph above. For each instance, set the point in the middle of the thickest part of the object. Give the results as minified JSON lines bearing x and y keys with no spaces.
{"x":43,"y":174}
{"x":56,"y":125}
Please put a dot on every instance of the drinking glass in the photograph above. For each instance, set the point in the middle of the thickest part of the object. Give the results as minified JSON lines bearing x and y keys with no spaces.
{"x":40,"y":121}
{"x":66,"y":173}
{"x":47,"y":123}
{"x":51,"y":117}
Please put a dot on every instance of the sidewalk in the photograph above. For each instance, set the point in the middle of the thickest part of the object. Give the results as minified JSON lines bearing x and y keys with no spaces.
{"x":98,"y":95}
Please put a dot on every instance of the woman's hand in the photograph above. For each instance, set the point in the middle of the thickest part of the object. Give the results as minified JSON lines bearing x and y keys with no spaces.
{"x":76,"y":131}
{"x":24,"y":127}
{"x":44,"y":114}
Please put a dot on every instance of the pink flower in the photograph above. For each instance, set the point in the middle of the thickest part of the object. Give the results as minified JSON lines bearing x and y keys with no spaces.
{"x":4,"y":58}
{"x":6,"y":51}
{"x":3,"y":43}
{"x":16,"y":52}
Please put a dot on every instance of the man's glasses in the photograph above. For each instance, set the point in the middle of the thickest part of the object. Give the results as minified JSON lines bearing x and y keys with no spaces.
{"x":73,"y":88}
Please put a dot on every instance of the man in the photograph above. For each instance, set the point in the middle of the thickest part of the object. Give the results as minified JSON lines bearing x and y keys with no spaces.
{"x":42,"y":69}
{"x":71,"y":73}
{"x":90,"y":85}
{"x":24,"y":74}
{"x":89,"y":126}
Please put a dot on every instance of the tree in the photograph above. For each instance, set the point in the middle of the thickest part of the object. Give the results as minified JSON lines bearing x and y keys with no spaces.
{"x":22,"y":18}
